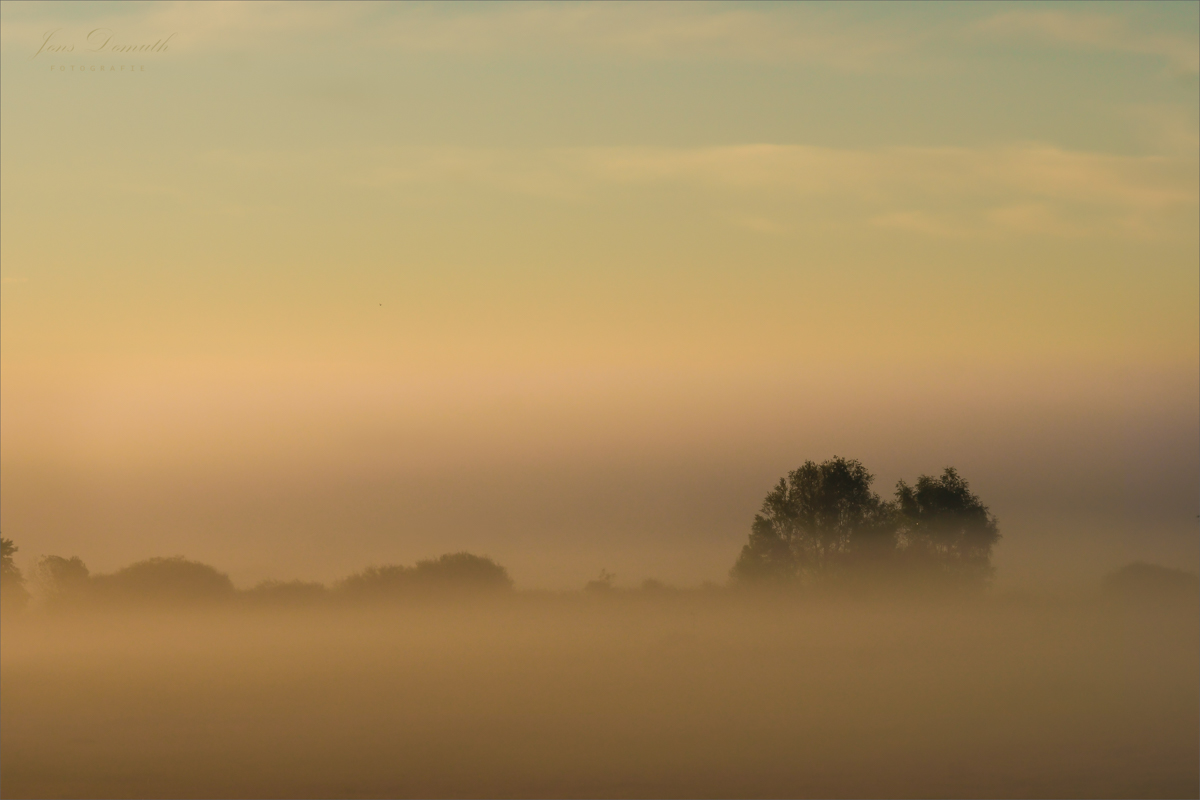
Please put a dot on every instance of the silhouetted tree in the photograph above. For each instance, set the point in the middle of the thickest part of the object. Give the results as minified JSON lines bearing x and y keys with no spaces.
{"x":820,"y":517}
{"x":62,"y":579}
{"x":945,"y":526}
{"x":450,"y":574}
{"x":462,"y":571}
{"x":823,"y":519}
{"x":164,"y":581}
{"x":602,"y":584}
{"x":8,"y":569}
{"x":13,"y":594}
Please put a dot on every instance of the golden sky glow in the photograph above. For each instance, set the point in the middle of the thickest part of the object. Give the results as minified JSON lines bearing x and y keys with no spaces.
{"x":320,"y":285}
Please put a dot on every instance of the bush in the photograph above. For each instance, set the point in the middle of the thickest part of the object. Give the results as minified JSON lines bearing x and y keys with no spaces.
{"x":287,"y":593}
{"x":603,"y":584}
{"x":1147,"y":582}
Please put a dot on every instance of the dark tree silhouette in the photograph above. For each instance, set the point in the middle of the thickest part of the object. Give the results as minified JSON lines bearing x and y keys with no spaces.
{"x":820,"y":518}
{"x":823,"y":520}
{"x":8,"y":569}
{"x":450,"y":574}
{"x":13,"y":594}
{"x":946,"y":527}
{"x":602,"y":584}
{"x":62,"y":579}
{"x":462,"y":571}
{"x":164,"y":581}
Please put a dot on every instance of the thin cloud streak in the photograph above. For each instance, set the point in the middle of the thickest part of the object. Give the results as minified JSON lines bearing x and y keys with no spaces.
{"x":960,"y":191}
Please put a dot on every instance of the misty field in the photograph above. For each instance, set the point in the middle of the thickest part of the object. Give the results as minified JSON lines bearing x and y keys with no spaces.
{"x":688,"y":694}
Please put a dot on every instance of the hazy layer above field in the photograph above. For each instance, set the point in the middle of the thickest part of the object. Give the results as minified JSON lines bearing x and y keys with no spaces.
{"x":686,"y":694}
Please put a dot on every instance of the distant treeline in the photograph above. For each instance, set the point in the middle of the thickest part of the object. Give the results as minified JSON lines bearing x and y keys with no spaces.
{"x":176,"y":581}
{"x":820,"y":526}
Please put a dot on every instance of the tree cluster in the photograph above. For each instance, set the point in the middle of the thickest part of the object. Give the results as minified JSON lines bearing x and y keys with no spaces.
{"x":177,"y":581}
{"x":824,"y":522}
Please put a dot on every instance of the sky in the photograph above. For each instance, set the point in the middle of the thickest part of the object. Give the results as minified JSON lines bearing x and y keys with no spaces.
{"x":294,"y":288}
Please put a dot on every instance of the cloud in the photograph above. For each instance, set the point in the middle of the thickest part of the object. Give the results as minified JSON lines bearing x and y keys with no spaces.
{"x":1032,"y":218}
{"x":1023,"y":189}
{"x":758,"y":224}
{"x":1168,"y":128}
{"x":922,"y":223}
{"x":1098,"y":32}
{"x":1032,"y":170}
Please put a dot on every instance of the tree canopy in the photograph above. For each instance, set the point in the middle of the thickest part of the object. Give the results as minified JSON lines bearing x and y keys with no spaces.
{"x":824,"y":520}
{"x":817,"y":517}
{"x":946,"y":527}
{"x":13,"y":594}
{"x":452,"y":573}
{"x":62,"y":579}
{"x":174,"y":580}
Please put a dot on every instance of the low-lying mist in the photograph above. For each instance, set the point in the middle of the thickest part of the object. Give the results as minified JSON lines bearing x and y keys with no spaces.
{"x":713,"y":692}
{"x":858,"y":649}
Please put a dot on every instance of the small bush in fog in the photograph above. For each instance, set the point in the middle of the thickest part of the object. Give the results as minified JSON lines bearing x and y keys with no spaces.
{"x":601,"y":585}
{"x":1147,"y":582}
{"x":377,"y":581}
{"x":286,"y":593}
